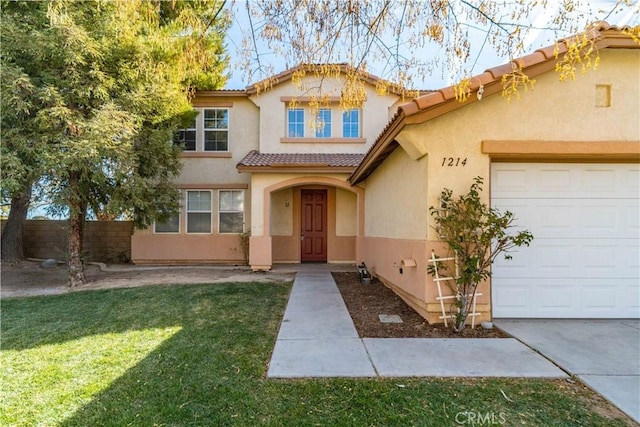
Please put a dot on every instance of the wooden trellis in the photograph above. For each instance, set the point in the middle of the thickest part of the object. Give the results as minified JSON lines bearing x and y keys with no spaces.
{"x":441,"y":298}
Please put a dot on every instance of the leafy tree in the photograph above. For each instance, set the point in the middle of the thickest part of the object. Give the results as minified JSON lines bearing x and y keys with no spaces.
{"x":476,"y":235}
{"x":399,"y":36}
{"x":92,"y":93}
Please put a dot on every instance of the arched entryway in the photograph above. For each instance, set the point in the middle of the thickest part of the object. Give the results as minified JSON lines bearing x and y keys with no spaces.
{"x":309,"y":219}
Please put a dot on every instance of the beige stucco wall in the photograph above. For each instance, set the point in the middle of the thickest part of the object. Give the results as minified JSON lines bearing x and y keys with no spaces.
{"x":207,"y":171}
{"x":346,"y":213}
{"x":395,"y":203}
{"x":244,"y":121}
{"x":553,"y":111}
{"x":376,"y":112}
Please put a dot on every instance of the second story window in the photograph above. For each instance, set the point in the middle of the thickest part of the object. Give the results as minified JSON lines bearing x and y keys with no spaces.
{"x":323,"y":123}
{"x":209,"y":132}
{"x":216,"y":129}
{"x":295,"y":123}
{"x":187,"y":137}
{"x":351,"y":124}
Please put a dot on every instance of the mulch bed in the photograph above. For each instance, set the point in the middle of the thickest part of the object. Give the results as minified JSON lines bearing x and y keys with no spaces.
{"x":366,"y":302}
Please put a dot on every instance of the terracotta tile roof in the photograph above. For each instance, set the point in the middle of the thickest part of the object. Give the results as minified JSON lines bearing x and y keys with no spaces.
{"x":437,"y":103}
{"x":256,"y":161}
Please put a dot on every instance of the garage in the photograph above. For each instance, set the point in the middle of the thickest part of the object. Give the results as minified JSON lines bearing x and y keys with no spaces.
{"x":584,"y":261}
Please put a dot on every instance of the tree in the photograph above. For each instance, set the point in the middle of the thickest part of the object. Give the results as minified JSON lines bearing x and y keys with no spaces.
{"x":411,"y":40}
{"x":476,"y":235}
{"x":105,"y":84}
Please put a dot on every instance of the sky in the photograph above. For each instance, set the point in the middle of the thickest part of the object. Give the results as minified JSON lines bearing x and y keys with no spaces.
{"x":487,"y":59}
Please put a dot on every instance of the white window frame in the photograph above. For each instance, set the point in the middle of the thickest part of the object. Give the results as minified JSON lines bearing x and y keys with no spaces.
{"x":155,"y":230}
{"x":195,"y":130}
{"x":220,"y":211}
{"x":204,"y":130}
{"x":347,"y":113}
{"x":289,"y":122}
{"x":188,"y":211}
{"x":322,"y":125}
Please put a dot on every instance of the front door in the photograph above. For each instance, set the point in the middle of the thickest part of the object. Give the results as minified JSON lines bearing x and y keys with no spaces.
{"x":313,"y":234}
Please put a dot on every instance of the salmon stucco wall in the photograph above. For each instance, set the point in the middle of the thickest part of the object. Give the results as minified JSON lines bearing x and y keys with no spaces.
{"x":341,"y":224}
{"x":187,"y":249}
{"x":276,"y":208}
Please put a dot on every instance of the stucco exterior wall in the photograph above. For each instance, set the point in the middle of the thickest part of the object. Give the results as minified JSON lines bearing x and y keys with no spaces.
{"x":211,"y":171}
{"x":395,"y":202}
{"x":376,"y":112}
{"x":244,"y":117}
{"x":346,"y":213}
{"x":552,"y":111}
{"x":446,"y":152}
{"x":271,"y":215}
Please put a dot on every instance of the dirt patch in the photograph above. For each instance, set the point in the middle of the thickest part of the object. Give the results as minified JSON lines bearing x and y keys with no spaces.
{"x":367,"y":302}
{"x":29,"y":278}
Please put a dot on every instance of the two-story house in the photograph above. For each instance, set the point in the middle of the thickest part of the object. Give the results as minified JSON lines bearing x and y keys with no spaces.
{"x":565,"y":158}
{"x":265,"y":175}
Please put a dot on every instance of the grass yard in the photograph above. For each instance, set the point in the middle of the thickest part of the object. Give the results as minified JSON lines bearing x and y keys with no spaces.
{"x":197,"y":355}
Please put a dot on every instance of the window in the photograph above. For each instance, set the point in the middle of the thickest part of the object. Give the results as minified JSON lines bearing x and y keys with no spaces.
{"x":295,"y":123}
{"x":171,"y":225}
{"x":187,"y":137}
{"x":216,"y":129}
{"x":323,"y":123}
{"x":231,"y":211}
{"x":199,"y":211}
{"x":351,"y":124}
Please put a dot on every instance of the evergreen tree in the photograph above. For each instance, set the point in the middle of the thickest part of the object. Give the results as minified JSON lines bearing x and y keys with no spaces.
{"x":92,"y":94}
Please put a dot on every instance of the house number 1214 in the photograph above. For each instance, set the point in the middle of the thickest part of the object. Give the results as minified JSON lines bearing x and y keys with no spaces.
{"x":454,"y":161}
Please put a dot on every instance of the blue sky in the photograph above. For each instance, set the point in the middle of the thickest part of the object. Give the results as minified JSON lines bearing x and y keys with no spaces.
{"x":487,"y":59}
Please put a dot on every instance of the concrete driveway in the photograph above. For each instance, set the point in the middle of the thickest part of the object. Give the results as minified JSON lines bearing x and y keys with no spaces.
{"x":604,"y":354}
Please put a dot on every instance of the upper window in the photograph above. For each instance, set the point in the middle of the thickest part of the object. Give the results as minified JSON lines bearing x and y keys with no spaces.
{"x":323,"y":123}
{"x":208,"y":132}
{"x":231,"y":211}
{"x":295,"y":123}
{"x":187,"y":137}
{"x":351,"y":124}
{"x":199,"y":211}
{"x":216,"y":129}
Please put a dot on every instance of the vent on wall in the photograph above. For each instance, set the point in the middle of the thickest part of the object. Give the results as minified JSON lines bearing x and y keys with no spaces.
{"x":603,"y":96}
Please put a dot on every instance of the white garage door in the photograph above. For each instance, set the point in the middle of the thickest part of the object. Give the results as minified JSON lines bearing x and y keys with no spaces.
{"x":584,"y":261}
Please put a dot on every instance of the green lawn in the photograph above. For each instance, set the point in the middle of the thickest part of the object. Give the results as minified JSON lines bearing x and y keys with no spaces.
{"x":197,"y":355}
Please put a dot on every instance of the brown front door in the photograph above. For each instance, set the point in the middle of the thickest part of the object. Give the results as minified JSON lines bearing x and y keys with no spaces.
{"x":313,"y":243}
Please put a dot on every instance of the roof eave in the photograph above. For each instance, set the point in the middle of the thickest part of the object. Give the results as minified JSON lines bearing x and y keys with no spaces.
{"x":369,"y":163}
{"x":440,"y":102}
{"x":296,"y":169}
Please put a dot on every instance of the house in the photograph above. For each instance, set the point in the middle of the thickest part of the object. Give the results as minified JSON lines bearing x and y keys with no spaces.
{"x":265,"y":174}
{"x":357,"y":185}
{"x":564,"y":158}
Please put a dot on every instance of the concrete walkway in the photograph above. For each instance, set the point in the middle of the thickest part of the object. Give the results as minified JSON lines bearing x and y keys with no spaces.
{"x":317,"y":338}
{"x":603,"y":353}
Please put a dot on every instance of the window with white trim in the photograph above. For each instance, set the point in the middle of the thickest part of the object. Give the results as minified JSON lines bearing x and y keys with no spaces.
{"x":187,"y":137}
{"x":231,"y":211}
{"x":295,"y":123}
{"x":323,"y":123}
{"x":199,"y":211}
{"x":216,"y":129}
{"x":351,"y":123}
{"x":171,"y":225}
